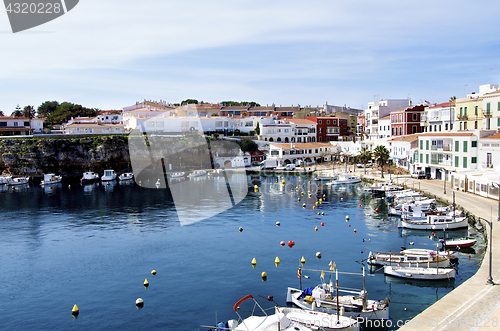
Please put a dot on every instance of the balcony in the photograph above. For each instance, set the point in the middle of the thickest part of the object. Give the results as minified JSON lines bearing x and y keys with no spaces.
{"x":447,"y":148}
{"x":444,"y":163}
{"x":463,"y":117}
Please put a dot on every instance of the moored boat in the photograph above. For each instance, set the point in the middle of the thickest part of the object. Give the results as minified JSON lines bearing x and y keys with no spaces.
{"x":5,"y":179}
{"x":434,"y":222}
{"x":406,"y":258}
{"x":325,"y":176}
{"x":177,"y":175}
{"x":344,"y":179}
{"x":108,"y":175}
{"x":50,"y":179}
{"x":89,"y":177}
{"x":126,"y":176}
{"x":460,"y":243}
{"x":197,"y":173}
{"x":419,"y":273}
{"x":18,"y":181}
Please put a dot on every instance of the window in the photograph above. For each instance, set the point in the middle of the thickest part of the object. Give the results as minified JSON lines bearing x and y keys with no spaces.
{"x":439,"y":127}
{"x":320,"y":130}
{"x":319,"y":121}
{"x":457,"y":146}
{"x":465,"y":146}
{"x":393,"y":131}
{"x":427,"y":158}
{"x":488,"y":108}
{"x":327,"y":121}
{"x":15,"y":124}
{"x":475,"y":110}
{"x":421,"y":158}
{"x":474,"y":143}
{"x":320,"y":138}
{"x":461,"y":111}
{"x":473,"y":160}
{"x":446,"y":127}
{"x":465,"y":111}
{"x":498,"y":122}
{"x":456,"y":162}
{"x":414,"y":129}
{"x":400,"y":130}
{"x":475,"y":125}
{"x":427,"y":144}
{"x":421,"y":144}
{"x":461,"y":125}
{"x":414,"y":117}
{"x":26,"y":123}
{"x":465,"y":125}
{"x":465,"y":162}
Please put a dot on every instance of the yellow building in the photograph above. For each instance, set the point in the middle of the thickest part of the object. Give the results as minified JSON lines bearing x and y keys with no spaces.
{"x":469,"y":113}
{"x":491,"y":106}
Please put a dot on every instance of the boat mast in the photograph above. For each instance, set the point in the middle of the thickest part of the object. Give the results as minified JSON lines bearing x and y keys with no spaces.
{"x":364,"y":291}
{"x":337,"y":290}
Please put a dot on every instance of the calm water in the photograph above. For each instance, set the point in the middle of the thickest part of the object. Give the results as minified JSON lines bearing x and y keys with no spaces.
{"x":93,"y":246}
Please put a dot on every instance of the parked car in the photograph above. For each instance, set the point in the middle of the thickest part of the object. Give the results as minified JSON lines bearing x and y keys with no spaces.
{"x":256,"y":163}
{"x":290,"y":167}
{"x":419,"y":174}
{"x":361,"y":165}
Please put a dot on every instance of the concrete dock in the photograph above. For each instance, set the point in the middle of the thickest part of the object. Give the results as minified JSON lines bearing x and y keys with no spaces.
{"x":475,"y":304}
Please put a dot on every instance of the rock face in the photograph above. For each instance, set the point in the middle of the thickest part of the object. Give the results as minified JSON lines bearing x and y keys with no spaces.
{"x":64,"y":156}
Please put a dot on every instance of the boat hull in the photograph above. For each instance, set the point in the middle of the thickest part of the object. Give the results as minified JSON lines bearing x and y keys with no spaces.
{"x":420,"y":273}
{"x":431,"y":225}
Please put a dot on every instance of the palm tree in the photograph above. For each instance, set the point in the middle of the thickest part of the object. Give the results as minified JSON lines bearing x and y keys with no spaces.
{"x":29,"y":112}
{"x":381,"y":155}
{"x":365,"y":156}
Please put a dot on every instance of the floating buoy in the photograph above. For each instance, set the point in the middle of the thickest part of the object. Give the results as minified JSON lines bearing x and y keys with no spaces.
{"x":298,"y":199}
{"x":355,"y":231}
{"x":469,"y":256}
{"x":75,"y":311}
{"x":361,"y":252}
{"x":433,"y":233}
{"x":254,"y":261}
{"x":277,"y":260}
{"x":146,"y":283}
{"x":302,"y":260}
{"x":364,"y":239}
{"x":322,"y":213}
{"x":314,"y":207}
{"x":139,"y":302}
{"x":322,"y":224}
{"x":270,"y":298}
{"x":153,"y":272}
{"x":319,"y":213}
{"x":347,"y":217}
{"x":316,"y":228}
{"x":341,"y":199}
{"x":256,"y":187}
{"x":240,"y":229}
{"x":308,"y":192}
{"x":303,"y":205}
{"x":278,"y":223}
{"x":302,"y":193}
{"x":360,"y":205}
{"x":318,"y":255}
{"x":412,"y":243}
{"x":69,"y":186}
{"x":282,"y":243}
{"x":349,"y":225}
{"x":316,"y":203}
{"x":263,"y":274}
{"x":283,"y":182}
{"x":376,"y":210}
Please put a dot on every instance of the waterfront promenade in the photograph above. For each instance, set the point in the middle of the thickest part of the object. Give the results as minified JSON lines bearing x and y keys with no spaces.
{"x":475,"y":304}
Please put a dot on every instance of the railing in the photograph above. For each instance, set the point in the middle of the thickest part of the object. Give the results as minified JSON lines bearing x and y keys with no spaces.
{"x":447,"y":148}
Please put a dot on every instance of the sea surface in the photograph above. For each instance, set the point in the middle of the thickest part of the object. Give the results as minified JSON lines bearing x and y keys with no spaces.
{"x":94,"y":246}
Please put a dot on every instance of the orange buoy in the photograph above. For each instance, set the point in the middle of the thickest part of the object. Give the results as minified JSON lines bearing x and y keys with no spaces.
{"x":355,"y":231}
{"x":282,"y":243}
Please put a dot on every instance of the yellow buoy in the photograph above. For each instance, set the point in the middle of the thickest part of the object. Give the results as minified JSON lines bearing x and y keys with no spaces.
{"x":316,"y":203}
{"x":153,"y":272}
{"x":301,"y":193}
{"x":316,"y":228}
{"x":318,"y":212}
{"x":254,"y":261}
{"x":75,"y":310}
{"x":276,"y":260}
{"x":314,"y":207}
{"x":263,"y":274}
{"x":302,"y":260}
{"x":146,"y":283}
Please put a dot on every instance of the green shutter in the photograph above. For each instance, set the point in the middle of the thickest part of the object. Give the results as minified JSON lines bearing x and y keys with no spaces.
{"x":473,"y":160}
{"x":465,"y":161}
{"x":421,"y":158}
{"x":421,"y":144}
{"x":488,"y":108}
{"x":457,"y":146}
{"x":465,"y":111}
{"x":427,"y":144}
{"x":461,"y":111}
{"x":498,"y":122}
{"x":427,"y":158}
{"x":456,"y":162}
{"x":465,"y":146}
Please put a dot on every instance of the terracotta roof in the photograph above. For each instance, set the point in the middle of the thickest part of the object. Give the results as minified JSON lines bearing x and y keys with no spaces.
{"x":444,"y":104}
{"x":385,"y":117}
{"x":493,"y":136}
{"x":409,"y":138}
{"x":14,"y":128}
{"x":300,"y":121}
{"x":18,"y":118}
{"x":448,"y":134}
{"x":262,"y":108}
{"x":300,"y":145}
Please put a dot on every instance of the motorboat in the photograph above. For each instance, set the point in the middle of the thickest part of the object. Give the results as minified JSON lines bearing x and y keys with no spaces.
{"x":325,"y":176}
{"x":177,"y":175}
{"x":50,"y":179}
{"x":434,"y":222}
{"x":458,"y":243}
{"x":317,"y":320}
{"x":411,"y":257}
{"x":18,"y":181}
{"x":108,"y":175}
{"x":126,"y":176}
{"x":5,"y":179}
{"x":407,"y":208}
{"x":419,"y":272}
{"x":344,"y":179}
{"x":197,"y":173}
{"x":89,"y":177}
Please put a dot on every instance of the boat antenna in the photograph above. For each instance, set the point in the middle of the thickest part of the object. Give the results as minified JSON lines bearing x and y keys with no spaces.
{"x":337,"y":290}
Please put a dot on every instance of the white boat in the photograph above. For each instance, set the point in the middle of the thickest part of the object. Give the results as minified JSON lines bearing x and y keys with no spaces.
{"x":177,"y":175}
{"x":415,"y":257}
{"x":434,"y":222}
{"x":344,"y":179}
{"x":458,"y":243}
{"x":278,"y":321}
{"x":18,"y":181}
{"x":108,"y":175}
{"x":5,"y":179}
{"x":126,"y":176}
{"x":325,"y":176}
{"x":420,"y":273}
{"x":197,"y":173}
{"x":408,"y":208}
{"x":89,"y":177}
{"x":318,"y":320}
{"x":50,"y":179}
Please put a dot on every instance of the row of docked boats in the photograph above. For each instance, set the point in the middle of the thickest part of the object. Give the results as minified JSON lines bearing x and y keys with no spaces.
{"x":108,"y":176}
{"x":331,"y":178}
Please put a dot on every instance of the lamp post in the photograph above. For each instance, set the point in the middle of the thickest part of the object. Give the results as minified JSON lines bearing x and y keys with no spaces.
{"x":444,"y":180}
{"x":490,"y":223}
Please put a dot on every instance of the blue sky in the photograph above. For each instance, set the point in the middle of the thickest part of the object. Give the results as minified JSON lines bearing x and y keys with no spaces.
{"x":109,"y":54}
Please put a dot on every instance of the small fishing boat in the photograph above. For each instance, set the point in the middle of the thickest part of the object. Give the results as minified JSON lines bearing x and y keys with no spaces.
{"x":108,"y":175}
{"x":18,"y":181}
{"x":405,"y":258}
{"x":89,"y":177}
{"x":318,"y":320}
{"x":126,"y":176}
{"x":344,"y":179}
{"x":419,"y":273}
{"x":325,"y":176}
{"x":434,"y":222}
{"x":458,"y":243}
{"x":176,"y":175}
{"x":197,"y":173}
{"x":50,"y":179}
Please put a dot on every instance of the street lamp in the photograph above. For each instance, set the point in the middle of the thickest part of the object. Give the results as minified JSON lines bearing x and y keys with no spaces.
{"x":444,"y":179}
{"x":490,"y":223}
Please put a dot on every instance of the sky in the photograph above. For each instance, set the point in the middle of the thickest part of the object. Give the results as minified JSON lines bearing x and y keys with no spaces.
{"x":109,"y":54}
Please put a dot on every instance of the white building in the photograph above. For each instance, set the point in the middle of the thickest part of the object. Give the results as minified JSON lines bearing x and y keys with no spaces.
{"x":14,"y":126}
{"x":402,"y":149}
{"x":379,"y":109}
{"x":384,"y":127}
{"x":293,"y":130}
{"x":439,"y":118}
{"x":300,"y":152}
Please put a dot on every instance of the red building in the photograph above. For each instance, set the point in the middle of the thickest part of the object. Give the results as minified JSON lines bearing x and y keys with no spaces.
{"x":257,"y":156}
{"x":329,"y":128}
{"x":406,"y":120}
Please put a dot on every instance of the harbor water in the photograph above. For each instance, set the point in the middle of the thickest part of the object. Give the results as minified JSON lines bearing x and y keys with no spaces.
{"x":95,"y":245}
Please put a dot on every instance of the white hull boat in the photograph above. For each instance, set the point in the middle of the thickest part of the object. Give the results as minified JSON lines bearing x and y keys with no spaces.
{"x":18,"y":181}
{"x":177,"y":175}
{"x":406,"y":258}
{"x":197,"y":173}
{"x":51,"y":179}
{"x":344,"y":179}
{"x":5,"y":179}
{"x":325,"y":176}
{"x":349,"y":305}
{"x":126,"y":176}
{"x":458,"y":243}
{"x":434,"y":222}
{"x":108,"y":175}
{"x":420,"y":273}
{"x":319,"y":320}
{"x":89,"y":177}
